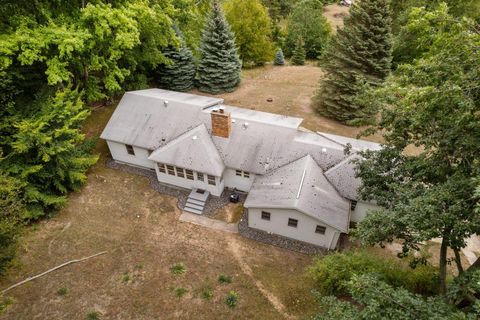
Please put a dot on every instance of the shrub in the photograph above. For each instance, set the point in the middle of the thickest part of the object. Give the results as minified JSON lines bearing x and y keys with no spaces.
{"x":180,"y":292}
{"x":224,"y":279}
{"x":207,"y":293}
{"x":62,"y":291}
{"x":232,"y":299}
{"x":94,"y":315}
{"x":332,"y":272}
{"x":178,"y":268}
{"x":4,"y":303}
{"x":126,"y":277}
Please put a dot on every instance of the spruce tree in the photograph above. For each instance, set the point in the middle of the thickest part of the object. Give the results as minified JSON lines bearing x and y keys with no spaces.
{"x":219,"y":67}
{"x":359,"y":57}
{"x":298,"y":58}
{"x":180,"y":74}
{"x":279,"y":58}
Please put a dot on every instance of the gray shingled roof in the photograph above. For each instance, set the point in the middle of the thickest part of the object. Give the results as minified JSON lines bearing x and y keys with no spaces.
{"x":143,"y":119}
{"x":301,"y":185}
{"x":259,"y":142}
{"x":192,"y":150}
{"x":342,"y":176}
{"x":357,"y":144}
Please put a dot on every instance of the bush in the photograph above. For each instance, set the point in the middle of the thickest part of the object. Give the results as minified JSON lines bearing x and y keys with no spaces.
{"x":62,"y":291}
{"x":180,"y":292}
{"x":224,"y":279}
{"x":232,"y":299}
{"x":178,"y":268}
{"x":332,"y":272}
{"x":94,"y":315}
{"x":207,"y":293}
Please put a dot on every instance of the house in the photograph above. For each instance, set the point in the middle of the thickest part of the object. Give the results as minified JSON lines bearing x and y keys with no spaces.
{"x":300,"y":184}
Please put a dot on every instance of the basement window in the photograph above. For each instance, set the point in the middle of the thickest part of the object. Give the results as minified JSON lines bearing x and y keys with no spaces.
{"x":130,"y":149}
{"x":265,"y":215}
{"x":320,"y":229}
{"x":189,"y":174}
{"x":200,"y":176}
{"x":161,"y":167}
{"x":171,"y":170}
{"x":353,"y":205}
{"x":180,"y":172}
{"x":211,"y":180}
{"x":292,"y":222}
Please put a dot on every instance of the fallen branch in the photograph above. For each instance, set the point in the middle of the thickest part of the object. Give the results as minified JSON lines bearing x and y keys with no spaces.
{"x":52,"y":269}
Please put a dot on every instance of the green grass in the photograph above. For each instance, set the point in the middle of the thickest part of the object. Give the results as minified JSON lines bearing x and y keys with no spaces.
{"x":232,"y":299}
{"x":224,"y":278}
{"x":4,"y":303}
{"x":93,"y":315}
{"x":62,"y":291}
{"x":206,"y":293}
{"x":178,"y":269}
{"x":126,"y":277}
{"x":180,"y":292}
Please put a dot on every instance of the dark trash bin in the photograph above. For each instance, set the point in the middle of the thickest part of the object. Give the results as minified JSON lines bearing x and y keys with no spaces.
{"x":234,"y":197}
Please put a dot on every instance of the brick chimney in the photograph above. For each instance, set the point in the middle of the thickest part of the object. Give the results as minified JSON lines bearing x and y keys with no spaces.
{"x":221,"y":123}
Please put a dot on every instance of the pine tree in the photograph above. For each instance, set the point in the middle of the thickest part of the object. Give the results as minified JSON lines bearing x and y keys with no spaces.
{"x":220,"y":65}
{"x":298,"y":58}
{"x":359,"y":57}
{"x":279,"y":58}
{"x":180,"y":75}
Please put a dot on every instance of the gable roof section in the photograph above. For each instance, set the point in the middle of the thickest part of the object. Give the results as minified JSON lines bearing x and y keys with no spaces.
{"x":192,"y":150}
{"x":342,"y":176}
{"x":143,"y":119}
{"x":301,"y":185}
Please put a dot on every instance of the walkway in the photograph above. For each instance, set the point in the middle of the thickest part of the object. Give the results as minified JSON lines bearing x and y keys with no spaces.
{"x":209,"y":223}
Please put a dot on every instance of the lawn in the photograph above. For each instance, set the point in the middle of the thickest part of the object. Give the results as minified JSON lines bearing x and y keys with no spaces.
{"x":120,"y":213}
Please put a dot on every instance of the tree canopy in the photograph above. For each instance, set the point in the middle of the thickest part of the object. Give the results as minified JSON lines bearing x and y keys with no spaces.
{"x":307,"y":21}
{"x":252,"y":27}
{"x":432,"y":104}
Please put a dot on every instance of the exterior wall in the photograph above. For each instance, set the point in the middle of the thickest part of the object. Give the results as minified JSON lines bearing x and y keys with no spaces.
{"x":361,"y":211}
{"x":234,"y":181}
{"x":190,"y":184}
{"x":305,"y":230}
{"x":119,"y":153}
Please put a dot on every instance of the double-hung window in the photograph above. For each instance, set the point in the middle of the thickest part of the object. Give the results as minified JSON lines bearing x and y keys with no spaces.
{"x":161,"y":167}
{"x":170,"y":170}
{"x":320,"y":229}
{"x":211,"y":180}
{"x":180,"y":172}
{"x":189,"y":174}
{"x":200,"y":176}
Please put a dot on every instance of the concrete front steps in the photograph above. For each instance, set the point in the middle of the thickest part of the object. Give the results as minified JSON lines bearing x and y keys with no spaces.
{"x":196,"y":201}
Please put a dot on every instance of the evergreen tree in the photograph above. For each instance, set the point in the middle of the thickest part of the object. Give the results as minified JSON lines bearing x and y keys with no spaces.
{"x":219,"y":67}
{"x":279,"y":59}
{"x":180,"y":74}
{"x":359,"y":56}
{"x":298,"y":58}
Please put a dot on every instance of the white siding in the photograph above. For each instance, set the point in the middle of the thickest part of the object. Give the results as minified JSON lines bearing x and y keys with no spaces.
{"x":361,"y":211}
{"x":305,"y":230}
{"x":190,"y":184}
{"x":234,"y":181}
{"x":119,"y":153}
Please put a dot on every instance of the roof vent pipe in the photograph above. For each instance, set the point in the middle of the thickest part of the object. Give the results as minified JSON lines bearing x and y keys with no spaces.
{"x":245,"y":125}
{"x":165,"y":103}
